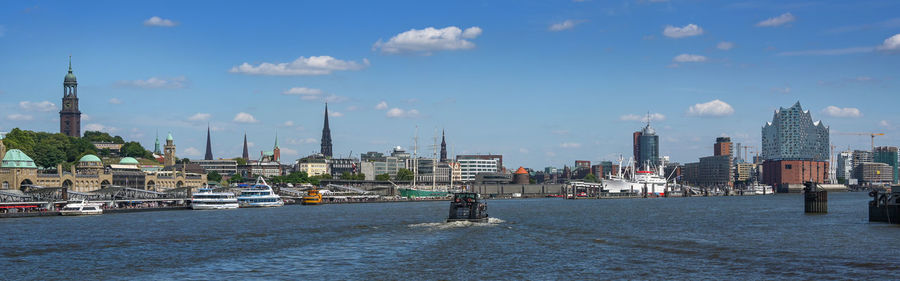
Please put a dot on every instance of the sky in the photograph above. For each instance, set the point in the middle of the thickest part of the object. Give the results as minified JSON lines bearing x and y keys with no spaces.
{"x":544,"y":83}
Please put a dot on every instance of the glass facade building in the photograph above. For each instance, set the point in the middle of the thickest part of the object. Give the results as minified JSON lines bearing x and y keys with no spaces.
{"x":793,"y":135}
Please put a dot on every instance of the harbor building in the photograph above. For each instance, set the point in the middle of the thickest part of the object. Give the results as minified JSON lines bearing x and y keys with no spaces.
{"x":472,"y":166}
{"x":743,"y":172}
{"x":794,"y":149}
{"x":70,"y":115}
{"x":875,"y":174}
{"x":715,"y":171}
{"x":521,"y":176}
{"x":646,"y":148}
{"x":887,"y":155}
{"x":339,"y":166}
{"x":225,"y":167}
{"x":18,"y":171}
{"x":313,"y":165}
{"x":844,"y":166}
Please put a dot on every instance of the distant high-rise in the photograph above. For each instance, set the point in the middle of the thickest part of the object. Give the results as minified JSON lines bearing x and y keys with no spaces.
{"x":646,"y":148}
{"x":70,"y":116}
{"x":209,"y":155}
{"x":326,"y":136}
{"x":722,"y":146}
{"x":887,"y":155}
{"x":793,"y":135}
{"x":443,"y":147}
{"x":246,"y":154}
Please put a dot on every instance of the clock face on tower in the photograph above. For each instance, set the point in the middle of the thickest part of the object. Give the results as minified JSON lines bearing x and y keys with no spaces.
{"x":68,"y":104}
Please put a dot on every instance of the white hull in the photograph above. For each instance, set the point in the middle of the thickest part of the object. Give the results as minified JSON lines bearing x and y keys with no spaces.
{"x":262,"y":204}
{"x":225,"y":206}
{"x":622,"y":186}
{"x":81,"y":213}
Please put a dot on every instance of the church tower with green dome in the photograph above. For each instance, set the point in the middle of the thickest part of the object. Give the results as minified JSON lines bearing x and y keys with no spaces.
{"x":70,"y":116}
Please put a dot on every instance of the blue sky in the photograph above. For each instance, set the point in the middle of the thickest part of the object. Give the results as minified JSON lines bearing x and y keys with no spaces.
{"x":542,"y":82}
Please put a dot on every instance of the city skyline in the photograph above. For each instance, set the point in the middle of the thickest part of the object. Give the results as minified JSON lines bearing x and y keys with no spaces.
{"x":520,"y":84}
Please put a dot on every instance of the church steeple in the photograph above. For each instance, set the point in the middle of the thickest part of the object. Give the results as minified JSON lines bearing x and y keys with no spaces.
{"x":156,"y":145}
{"x":443,"y":147}
{"x":70,"y":116}
{"x":209,"y":155}
{"x":246,"y":155}
{"x":326,"y":136}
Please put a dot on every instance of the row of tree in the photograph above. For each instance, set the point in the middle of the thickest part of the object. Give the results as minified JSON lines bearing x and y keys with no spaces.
{"x":49,"y":149}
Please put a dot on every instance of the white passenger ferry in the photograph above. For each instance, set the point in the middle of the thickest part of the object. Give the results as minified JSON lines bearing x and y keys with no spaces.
{"x":207,"y":199}
{"x":81,"y":208}
{"x":259,"y":195}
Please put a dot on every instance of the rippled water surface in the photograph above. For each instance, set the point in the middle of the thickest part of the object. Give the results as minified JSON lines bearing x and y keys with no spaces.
{"x":762,"y":237}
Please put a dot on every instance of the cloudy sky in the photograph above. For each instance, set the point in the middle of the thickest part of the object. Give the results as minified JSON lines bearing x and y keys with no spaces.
{"x":542,"y":82}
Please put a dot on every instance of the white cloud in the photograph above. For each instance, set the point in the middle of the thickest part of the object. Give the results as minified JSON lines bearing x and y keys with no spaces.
{"x":100,"y":128}
{"x":200,"y":117}
{"x":846,"y":112}
{"x":42,"y":106}
{"x":724,"y":45}
{"x":19,"y":117}
{"x":309,"y":141}
{"x":156,"y":83}
{"x":428,"y":40}
{"x":115,"y":101}
{"x":643,"y":118}
{"x":304,"y":93}
{"x":335,"y":114}
{"x":681,"y":32}
{"x":689,"y":58}
{"x":400,"y":113}
{"x":288,"y":123}
{"x":244,"y":117}
{"x":288,"y":151}
{"x":891,"y":44}
{"x":885,"y":124}
{"x":353,"y":108}
{"x":314,"y":65}
{"x":192,"y":151}
{"x":158,"y":21}
{"x":570,"y":145}
{"x":777,"y":21}
{"x":567,"y":24}
{"x":381,"y":105}
{"x":715,"y":108}
{"x":783,"y":90}
{"x":85,"y":117}
{"x":523,"y":150}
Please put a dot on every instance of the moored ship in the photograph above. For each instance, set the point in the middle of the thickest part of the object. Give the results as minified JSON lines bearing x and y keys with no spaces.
{"x":259,"y":195}
{"x":207,"y":199}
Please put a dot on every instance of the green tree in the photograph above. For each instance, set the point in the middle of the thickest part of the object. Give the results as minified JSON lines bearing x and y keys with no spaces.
{"x":214,"y":176}
{"x":236,"y":178}
{"x":383,"y":177}
{"x":240,"y":161}
{"x":185,"y":161}
{"x":133,"y":149}
{"x":404,"y":175}
{"x":590,"y":177}
{"x":20,"y":139}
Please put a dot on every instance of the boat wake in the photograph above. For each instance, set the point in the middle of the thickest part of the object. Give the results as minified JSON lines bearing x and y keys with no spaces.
{"x":456,"y":224}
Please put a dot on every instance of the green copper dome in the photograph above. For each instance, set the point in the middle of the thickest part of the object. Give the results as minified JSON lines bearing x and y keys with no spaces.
{"x":128,"y":161}
{"x":89,"y":158}
{"x":17,"y":159}
{"x":70,"y":77}
{"x":169,"y":137}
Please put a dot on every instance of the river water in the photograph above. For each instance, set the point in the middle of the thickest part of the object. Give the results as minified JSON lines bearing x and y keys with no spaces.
{"x":760,"y":237}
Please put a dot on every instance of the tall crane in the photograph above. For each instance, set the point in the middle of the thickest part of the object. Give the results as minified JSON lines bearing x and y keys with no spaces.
{"x":873,"y":135}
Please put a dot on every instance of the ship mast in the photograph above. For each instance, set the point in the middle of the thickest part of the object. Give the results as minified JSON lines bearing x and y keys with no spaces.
{"x":434,"y":162}
{"x":415,"y":160}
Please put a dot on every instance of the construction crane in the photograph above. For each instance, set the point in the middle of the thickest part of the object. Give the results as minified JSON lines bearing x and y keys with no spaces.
{"x":873,"y":135}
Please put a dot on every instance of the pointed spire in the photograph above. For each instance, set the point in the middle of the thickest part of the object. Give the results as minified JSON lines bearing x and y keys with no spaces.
{"x":209,"y":155}
{"x":246,"y":155}
{"x":70,"y":63}
{"x":156,"y":145}
{"x":443,"y":146}
{"x":326,"y":136}
{"x":276,"y":139}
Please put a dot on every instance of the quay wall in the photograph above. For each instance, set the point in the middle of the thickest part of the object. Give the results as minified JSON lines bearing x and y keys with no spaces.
{"x":527,"y":190}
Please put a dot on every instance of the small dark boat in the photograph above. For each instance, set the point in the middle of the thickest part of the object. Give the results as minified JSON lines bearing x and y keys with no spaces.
{"x":468,"y":206}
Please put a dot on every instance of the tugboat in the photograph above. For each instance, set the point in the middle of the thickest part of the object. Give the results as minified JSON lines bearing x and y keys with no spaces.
{"x":467,"y":206}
